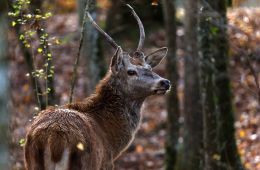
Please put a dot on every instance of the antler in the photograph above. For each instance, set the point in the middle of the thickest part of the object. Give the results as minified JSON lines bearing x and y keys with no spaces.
{"x":109,"y":39}
{"x":141,"y":29}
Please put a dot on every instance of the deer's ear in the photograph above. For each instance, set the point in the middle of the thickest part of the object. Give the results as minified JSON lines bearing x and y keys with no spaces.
{"x":116,"y":60}
{"x":156,"y":57}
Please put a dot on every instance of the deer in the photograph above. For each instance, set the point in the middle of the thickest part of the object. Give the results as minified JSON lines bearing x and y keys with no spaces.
{"x":91,"y":134}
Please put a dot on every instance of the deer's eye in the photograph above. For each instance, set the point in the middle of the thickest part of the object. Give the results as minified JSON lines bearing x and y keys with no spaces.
{"x":131,"y":72}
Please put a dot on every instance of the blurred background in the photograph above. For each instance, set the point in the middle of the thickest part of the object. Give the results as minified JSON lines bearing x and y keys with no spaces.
{"x":209,"y":120}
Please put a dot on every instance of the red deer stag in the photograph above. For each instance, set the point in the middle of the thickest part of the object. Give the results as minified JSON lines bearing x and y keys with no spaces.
{"x":91,"y":134}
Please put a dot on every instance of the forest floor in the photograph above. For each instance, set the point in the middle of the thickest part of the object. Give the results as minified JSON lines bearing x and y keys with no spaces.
{"x":147,"y":150}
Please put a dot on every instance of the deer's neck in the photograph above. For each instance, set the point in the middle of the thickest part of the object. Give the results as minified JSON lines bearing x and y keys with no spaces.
{"x":117,"y":114}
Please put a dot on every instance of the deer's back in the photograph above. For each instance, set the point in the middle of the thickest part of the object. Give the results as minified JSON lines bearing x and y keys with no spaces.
{"x":66,"y":138}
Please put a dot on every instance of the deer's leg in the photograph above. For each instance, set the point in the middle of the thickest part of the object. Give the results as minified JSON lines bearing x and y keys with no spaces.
{"x":34,"y":155}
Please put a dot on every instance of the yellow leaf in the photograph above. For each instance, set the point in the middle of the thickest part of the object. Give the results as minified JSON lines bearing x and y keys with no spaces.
{"x":154,"y":2}
{"x":13,"y":23}
{"x":80,"y":146}
{"x":38,"y":16}
{"x":57,"y":41}
{"x":27,"y":45}
{"x":242,"y":133}
{"x":39,"y":50}
{"x":216,"y":157}
{"x":241,"y":151}
{"x":29,"y":15}
{"x":248,"y":166}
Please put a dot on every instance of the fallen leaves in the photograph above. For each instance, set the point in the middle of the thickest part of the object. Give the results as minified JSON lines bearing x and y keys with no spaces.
{"x":147,"y":150}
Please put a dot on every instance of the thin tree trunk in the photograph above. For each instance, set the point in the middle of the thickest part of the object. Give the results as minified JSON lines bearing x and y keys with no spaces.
{"x":227,"y":143}
{"x":219,"y":140}
{"x":91,"y":49}
{"x":81,"y":8}
{"x":172,"y":74}
{"x":207,"y":91}
{"x":4,"y":117}
{"x":193,"y":124}
{"x":30,"y":65}
{"x":50,"y":98}
{"x":114,"y":15}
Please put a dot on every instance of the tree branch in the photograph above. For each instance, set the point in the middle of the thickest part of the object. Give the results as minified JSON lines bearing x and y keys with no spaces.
{"x":31,"y":68}
{"x":74,"y":76}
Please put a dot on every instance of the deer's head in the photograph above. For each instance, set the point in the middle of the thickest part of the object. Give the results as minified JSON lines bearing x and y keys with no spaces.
{"x":133,"y":71}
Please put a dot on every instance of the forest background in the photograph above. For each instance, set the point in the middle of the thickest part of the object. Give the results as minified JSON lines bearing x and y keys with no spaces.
{"x":209,"y":120}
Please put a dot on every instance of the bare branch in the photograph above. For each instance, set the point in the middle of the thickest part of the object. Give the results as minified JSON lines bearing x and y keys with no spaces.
{"x":31,"y":68}
{"x":74,"y":76}
{"x":253,"y":72}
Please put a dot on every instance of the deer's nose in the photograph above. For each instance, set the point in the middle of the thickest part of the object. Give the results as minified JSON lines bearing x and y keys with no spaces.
{"x":165,"y":84}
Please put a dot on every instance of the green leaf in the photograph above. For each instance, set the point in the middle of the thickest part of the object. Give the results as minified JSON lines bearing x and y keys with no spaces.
{"x":22,"y":142}
{"x":214,"y":30}
{"x":21,"y":37}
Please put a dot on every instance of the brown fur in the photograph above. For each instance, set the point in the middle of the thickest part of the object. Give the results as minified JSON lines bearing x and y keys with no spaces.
{"x":102,"y":123}
{"x":91,"y":134}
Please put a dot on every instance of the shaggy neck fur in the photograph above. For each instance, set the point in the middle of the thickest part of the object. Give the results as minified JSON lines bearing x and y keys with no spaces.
{"x":117,"y":114}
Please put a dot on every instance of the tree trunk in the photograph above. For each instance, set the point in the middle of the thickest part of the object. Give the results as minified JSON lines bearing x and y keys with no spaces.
{"x":118,"y":14}
{"x":114,"y":15}
{"x":95,"y":62}
{"x":207,"y":90}
{"x":4,"y":117}
{"x":172,"y":99}
{"x":81,"y":7}
{"x":227,"y":142}
{"x":219,"y":140}
{"x":193,"y":124}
